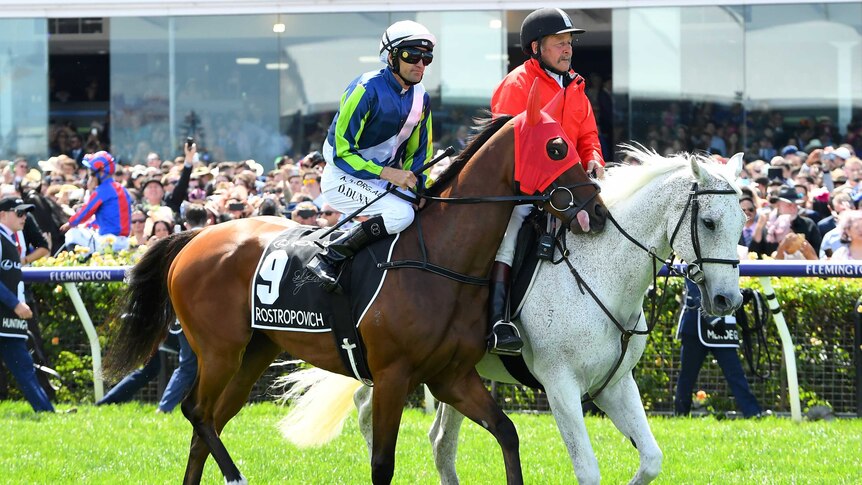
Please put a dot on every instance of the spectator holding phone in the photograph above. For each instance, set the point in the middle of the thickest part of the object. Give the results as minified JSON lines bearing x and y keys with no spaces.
{"x":772,"y":228}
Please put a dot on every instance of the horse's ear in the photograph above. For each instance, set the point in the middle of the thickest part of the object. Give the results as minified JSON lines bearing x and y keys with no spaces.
{"x":534,"y":106}
{"x":735,"y":163}
{"x":695,"y":167}
{"x":555,"y":106}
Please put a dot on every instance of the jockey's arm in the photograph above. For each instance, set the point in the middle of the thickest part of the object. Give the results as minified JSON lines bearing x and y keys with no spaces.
{"x":420,"y":148}
{"x":352,"y":117}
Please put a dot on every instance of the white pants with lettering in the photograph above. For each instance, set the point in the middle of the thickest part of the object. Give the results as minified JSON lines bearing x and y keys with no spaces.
{"x":506,"y":252}
{"x":348,"y":193}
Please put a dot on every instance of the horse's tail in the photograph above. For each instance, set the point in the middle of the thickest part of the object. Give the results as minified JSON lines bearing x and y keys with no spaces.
{"x":322,"y":400}
{"x":143,"y":311}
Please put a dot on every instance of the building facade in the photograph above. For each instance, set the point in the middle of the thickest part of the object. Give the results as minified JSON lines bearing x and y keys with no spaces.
{"x":263,"y":78}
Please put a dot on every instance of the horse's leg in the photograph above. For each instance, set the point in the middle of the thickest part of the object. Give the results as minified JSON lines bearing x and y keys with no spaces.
{"x":564,"y":397}
{"x":259,"y":354}
{"x":469,"y":396}
{"x":362,"y":399}
{"x":387,"y":403}
{"x":216,"y":367}
{"x":444,"y":440}
{"x":622,"y":403}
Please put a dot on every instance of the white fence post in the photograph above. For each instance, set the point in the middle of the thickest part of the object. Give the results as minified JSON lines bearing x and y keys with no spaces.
{"x":786,"y":346}
{"x":95,"y":348}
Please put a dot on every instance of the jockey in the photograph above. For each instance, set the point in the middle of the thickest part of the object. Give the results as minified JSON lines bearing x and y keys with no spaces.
{"x":367,"y":148}
{"x":546,"y":36}
{"x":109,"y":202}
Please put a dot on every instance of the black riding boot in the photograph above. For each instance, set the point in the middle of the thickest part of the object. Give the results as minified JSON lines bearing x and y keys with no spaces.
{"x":504,"y":338}
{"x":327,"y":264}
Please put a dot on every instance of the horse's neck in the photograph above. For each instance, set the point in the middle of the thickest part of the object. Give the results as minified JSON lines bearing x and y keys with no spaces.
{"x":646,"y":216}
{"x":465,"y":237}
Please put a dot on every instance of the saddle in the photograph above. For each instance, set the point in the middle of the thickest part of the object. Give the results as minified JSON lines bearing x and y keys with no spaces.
{"x":287,"y":297}
{"x":524,"y":268}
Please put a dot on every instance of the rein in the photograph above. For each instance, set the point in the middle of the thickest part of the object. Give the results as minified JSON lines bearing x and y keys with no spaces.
{"x":425,"y":265}
{"x":695,"y":275}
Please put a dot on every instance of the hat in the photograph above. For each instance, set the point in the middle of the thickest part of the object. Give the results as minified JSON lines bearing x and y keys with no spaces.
{"x":13,"y":204}
{"x":138,"y":171}
{"x":842,"y":153}
{"x":788,"y":194}
{"x":49,"y":165}
{"x":201,"y":172}
{"x":838,"y":176}
{"x":151,"y":180}
{"x":33,"y":176}
{"x":813,"y":145}
{"x":789,"y":150}
{"x":254,"y":167}
{"x":821,"y":195}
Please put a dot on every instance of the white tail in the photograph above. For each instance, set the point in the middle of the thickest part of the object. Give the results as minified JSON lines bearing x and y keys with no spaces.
{"x":321,"y":402}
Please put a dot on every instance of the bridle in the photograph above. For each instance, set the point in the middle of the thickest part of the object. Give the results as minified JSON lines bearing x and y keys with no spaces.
{"x":693,"y":271}
{"x":568,"y":212}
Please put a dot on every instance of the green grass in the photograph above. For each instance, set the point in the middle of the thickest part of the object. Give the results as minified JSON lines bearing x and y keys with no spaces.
{"x":132,"y":444}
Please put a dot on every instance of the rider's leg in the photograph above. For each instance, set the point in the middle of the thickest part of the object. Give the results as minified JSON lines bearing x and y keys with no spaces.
{"x":327,"y":264}
{"x":391,"y":215}
{"x":504,"y":337}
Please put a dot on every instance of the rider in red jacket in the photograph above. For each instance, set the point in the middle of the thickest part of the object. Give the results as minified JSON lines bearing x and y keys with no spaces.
{"x":546,"y":36}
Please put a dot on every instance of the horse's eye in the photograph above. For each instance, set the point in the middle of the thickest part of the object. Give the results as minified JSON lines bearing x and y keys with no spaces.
{"x":557,"y":148}
{"x":709,"y":223}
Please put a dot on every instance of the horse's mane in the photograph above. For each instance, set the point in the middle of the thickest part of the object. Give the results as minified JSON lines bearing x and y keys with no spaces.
{"x":624,"y":180}
{"x":485,"y":129}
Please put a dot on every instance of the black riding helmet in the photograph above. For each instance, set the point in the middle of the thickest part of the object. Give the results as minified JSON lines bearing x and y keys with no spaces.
{"x":543,"y":22}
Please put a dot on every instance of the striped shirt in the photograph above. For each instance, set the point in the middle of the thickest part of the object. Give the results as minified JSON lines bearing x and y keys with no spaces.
{"x":378,"y":125}
{"x":111,"y":203}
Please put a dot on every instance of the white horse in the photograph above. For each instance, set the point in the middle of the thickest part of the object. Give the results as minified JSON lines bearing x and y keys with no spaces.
{"x":686,"y":204}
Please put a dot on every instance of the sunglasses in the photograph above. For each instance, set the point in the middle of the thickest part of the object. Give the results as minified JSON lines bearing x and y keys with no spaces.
{"x":327,"y":213}
{"x":138,"y":221}
{"x":306,"y":213}
{"x":20,"y":213}
{"x":412,"y":55}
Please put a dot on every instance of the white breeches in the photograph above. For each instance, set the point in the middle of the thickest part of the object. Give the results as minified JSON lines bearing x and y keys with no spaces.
{"x":348,"y":193}
{"x":82,"y":236}
{"x":506,"y":252}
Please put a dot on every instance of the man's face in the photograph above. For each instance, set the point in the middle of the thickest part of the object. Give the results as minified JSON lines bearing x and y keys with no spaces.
{"x":412,"y":72}
{"x":21,"y":169}
{"x":15,"y":219}
{"x":154,"y":161}
{"x":153,"y":192}
{"x":295,"y":183}
{"x":853,"y":172}
{"x":786,"y":208}
{"x":330,"y":215}
{"x":557,"y":51}
{"x":305,"y":216}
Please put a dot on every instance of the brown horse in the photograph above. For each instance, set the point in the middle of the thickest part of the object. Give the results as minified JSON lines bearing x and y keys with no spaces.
{"x":422,"y":329}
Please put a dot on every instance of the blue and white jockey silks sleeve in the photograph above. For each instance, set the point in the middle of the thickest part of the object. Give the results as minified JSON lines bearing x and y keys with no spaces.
{"x":379,"y":125}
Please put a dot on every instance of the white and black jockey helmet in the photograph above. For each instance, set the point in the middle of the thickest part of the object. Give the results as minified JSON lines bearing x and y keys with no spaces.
{"x":544,"y":22}
{"x":405,"y":33}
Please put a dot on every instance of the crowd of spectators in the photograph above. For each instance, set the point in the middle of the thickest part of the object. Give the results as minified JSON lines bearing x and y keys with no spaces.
{"x":163,"y":190}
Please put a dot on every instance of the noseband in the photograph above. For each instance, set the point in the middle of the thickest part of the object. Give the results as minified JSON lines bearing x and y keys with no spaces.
{"x":571,"y":209}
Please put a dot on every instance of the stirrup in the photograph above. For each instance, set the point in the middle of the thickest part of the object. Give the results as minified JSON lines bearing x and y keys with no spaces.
{"x":318,"y":268}
{"x":510,"y":348}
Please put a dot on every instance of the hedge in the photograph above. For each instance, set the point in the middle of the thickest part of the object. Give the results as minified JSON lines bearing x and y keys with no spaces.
{"x":819,"y":312}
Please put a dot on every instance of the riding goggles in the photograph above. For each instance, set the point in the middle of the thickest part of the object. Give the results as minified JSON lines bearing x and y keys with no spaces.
{"x":412,"y":55}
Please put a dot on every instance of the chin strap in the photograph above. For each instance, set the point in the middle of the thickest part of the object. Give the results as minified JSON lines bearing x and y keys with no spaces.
{"x":395,"y":70}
